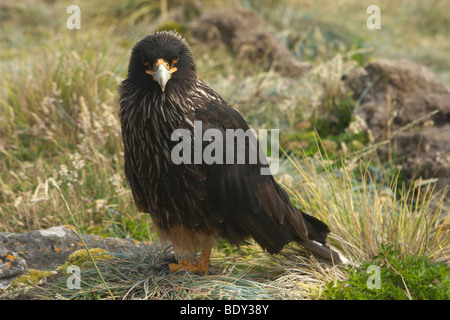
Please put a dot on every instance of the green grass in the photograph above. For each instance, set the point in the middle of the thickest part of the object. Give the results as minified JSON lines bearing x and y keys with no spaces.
{"x":388,"y":277}
{"x":58,"y":122}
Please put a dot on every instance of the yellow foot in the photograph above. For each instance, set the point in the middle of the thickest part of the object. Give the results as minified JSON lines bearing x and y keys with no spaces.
{"x":200,"y":268}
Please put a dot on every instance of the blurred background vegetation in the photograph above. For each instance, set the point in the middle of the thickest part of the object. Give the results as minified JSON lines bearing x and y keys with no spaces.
{"x":58,"y":118}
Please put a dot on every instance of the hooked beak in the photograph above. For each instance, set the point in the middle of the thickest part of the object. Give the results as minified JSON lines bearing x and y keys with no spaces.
{"x":162,"y":74}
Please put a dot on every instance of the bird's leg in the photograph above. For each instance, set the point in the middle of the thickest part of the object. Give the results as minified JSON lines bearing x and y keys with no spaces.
{"x":199,"y":267}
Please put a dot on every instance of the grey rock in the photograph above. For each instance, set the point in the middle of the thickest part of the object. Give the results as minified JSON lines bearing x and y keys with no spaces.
{"x":244,"y":32}
{"x":395,"y":93}
{"x":50,"y":248}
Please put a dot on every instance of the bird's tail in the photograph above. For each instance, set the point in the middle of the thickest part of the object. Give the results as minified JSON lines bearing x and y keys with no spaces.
{"x":317,"y":230}
{"x":317,"y":235}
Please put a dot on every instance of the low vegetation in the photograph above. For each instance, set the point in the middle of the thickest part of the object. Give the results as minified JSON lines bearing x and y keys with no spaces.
{"x":59,"y":127}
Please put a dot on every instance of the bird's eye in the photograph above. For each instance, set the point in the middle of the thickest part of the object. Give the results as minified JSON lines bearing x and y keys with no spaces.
{"x":175,"y":60}
{"x":144,"y":62}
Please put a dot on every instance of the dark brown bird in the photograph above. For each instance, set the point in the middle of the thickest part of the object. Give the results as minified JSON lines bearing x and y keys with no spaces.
{"x":193,"y":202}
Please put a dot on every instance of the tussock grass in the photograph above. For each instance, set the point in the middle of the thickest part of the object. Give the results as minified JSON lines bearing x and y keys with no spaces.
{"x":63,"y":126}
{"x":58,"y":120}
{"x":365,"y":214}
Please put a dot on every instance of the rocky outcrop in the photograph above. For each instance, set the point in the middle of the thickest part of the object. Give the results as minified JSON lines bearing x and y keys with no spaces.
{"x":50,"y":248}
{"x":397,"y":93}
{"x":244,"y":32}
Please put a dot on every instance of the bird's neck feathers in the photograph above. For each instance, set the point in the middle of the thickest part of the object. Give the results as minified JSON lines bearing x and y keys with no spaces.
{"x":154,"y":109}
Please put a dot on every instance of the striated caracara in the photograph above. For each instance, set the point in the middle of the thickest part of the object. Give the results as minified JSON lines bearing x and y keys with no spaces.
{"x":193,"y":202}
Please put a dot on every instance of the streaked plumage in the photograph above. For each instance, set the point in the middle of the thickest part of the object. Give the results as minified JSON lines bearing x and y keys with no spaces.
{"x":191,"y":204}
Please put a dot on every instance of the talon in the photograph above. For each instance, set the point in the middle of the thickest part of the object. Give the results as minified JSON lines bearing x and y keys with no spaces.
{"x":200,"y":267}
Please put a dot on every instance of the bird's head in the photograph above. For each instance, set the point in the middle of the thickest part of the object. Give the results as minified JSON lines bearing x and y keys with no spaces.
{"x":162,"y":60}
